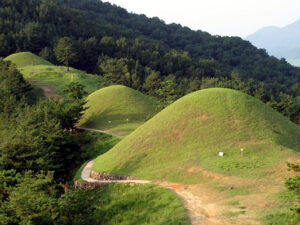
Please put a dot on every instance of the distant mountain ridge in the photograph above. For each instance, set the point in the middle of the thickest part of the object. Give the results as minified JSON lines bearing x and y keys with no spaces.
{"x":281,"y":42}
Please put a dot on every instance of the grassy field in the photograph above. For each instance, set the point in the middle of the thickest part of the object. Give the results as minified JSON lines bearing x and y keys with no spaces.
{"x":22,"y":59}
{"x":118,"y":109}
{"x":57,"y":77}
{"x":182,"y":142}
{"x":119,"y":204}
{"x":52,"y":79}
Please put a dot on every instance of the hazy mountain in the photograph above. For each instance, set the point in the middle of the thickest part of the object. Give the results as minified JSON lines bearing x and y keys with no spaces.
{"x":281,"y":42}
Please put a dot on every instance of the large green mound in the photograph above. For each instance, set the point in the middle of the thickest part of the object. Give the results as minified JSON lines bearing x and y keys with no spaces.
{"x":118,"y":109}
{"x":22,"y":59}
{"x":183,"y":142}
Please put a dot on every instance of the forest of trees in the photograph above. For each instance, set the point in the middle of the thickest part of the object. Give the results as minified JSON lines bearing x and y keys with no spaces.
{"x":167,"y":61}
{"x":39,"y":149}
{"x":38,"y":143}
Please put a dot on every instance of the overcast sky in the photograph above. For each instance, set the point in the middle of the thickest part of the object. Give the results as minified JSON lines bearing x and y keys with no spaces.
{"x":222,"y":17}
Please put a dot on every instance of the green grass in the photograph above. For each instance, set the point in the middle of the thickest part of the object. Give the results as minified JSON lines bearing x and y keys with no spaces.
{"x":119,"y":204}
{"x":42,"y":73}
{"x":57,"y":77}
{"x":282,"y":213}
{"x":190,"y":133}
{"x":124,"y":107}
{"x":231,"y":214}
{"x":22,"y":59}
{"x":282,"y":217}
{"x":96,"y":144}
{"x":232,"y":191}
{"x":77,"y":176}
{"x":233,"y":203}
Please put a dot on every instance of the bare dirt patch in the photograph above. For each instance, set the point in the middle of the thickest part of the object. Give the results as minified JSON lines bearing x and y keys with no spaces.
{"x":49,"y":91}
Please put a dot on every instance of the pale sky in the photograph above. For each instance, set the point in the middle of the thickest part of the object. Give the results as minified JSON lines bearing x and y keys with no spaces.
{"x":219,"y":17}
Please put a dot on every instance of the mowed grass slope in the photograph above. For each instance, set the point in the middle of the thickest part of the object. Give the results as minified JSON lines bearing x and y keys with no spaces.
{"x":118,"y":109}
{"x":53,"y":78}
{"x":183,"y":141}
{"x":23,"y":59}
{"x":121,"y":204}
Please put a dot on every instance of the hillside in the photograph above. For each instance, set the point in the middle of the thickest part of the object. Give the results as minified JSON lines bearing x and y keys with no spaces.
{"x":99,"y":28}
{"x":52,"y":79}
{"x":183,"y":141}
{"x":282,"y":42}
{"x":125,"y":108}
{"x":22,"y":59}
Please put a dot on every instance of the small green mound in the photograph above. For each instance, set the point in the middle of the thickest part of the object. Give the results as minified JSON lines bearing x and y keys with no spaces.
{"x":183,"y":142}
{"x":23,"y":59}
{"x":118,"y":109}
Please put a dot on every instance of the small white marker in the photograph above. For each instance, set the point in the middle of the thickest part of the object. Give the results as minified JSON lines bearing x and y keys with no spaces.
{"x":221,"y":154}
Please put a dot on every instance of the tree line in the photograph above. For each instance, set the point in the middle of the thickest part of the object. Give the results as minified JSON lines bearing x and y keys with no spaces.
{"x":167,"y":61}
{"x":39,"y":149}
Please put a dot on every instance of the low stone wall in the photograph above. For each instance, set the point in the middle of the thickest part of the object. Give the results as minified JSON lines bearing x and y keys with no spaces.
{"x":87,"y":185}
{"x":108,"y":176}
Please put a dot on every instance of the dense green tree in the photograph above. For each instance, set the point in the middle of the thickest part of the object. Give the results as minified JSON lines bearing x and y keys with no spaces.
{"x":293,"y":184}
{"x":65,"y":51}
{"x":168,"y":90}
{"x":33,"y":200}
{"x":48,"y":54}
{"x":115,"y":70}
{"x":13,"y":87}
{"x":152,"y":81}
{"x":35,"y":140}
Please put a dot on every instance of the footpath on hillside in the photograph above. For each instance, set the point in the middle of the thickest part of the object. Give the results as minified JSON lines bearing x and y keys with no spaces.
{"x":192,"y":203}
{"x":118,"y":134}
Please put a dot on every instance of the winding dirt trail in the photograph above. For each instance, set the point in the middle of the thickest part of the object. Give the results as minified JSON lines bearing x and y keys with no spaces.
{"x":205,"y":204}
{"x":118,"y":134}
{"x":191,"y":202}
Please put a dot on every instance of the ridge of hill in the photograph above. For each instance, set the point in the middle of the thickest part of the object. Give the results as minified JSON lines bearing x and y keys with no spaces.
{"x":100,"y":28}
{"x":282,"y":42}
{"x":22,"y":59}
{"x":183,"y":141}
{"x":50,"y":78}
{"x":118,"y":108}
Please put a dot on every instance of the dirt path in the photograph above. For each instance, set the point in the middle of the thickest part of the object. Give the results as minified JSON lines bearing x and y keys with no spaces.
{"x":191,"y":202}
{"x":85,"y":175}
{"x":118,"y":134}
{"x":49,"y":91}
{"x":210,"y":202}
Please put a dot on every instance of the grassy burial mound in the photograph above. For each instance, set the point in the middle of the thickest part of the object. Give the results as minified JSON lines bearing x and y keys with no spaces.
{"x":23,"y":59}
{"x":52,"y":78}
{"x":183,"y":141}
{"x":119,"y":109}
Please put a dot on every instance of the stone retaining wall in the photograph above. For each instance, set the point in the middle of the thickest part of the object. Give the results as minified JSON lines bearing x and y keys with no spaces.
{"x":88,"y":185}
{"x":108,"y":176}
{"x":81,"y":185}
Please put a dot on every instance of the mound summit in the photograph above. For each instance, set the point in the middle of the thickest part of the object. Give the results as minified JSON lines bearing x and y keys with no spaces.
{"x":23,"y":59}
{"x":183,"y":140}
{"x":118,"y":108}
